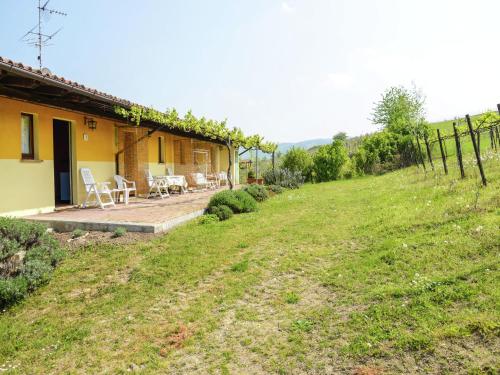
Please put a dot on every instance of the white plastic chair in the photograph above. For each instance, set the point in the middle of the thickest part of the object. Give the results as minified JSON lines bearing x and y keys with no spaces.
{"x":198,"y":180}
{"x":99,"y":189}
{"x":157,"y":185}
{"x":223,"y":178}
{"x":125,"y":186}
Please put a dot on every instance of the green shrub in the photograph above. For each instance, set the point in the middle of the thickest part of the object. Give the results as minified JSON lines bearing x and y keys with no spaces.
{"x":12,"y":290}
{"x":226,"y":198}
{"x":210,"y":218}
{"x":222,"y":212}
{"x":276,"y":189}
{"x":77,"y":233}
{"x":28,"y":255}
{"x":284,"y":178}
{"x":259,"y":192}
{"x":298,"y":160}
{"x":329,"y":160}
{"x":251,"y":173}
{"x":248,"y":203}
{"x":119,"y":232}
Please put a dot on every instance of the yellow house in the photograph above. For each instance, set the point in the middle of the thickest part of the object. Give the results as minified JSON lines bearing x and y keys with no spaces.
{"x":51,"y":127}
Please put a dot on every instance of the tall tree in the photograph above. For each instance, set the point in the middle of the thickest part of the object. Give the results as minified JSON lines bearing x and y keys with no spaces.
{"x":400,"y":111}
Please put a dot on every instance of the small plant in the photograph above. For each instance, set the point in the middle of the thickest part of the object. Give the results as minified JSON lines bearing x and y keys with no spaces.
{"x":248,"y":203}
{"x":259,"y":192}
{"x":209,"y":219}
{"x":222,"y":212}
{"x":275,"y":189}
{"x":226,"y":198}
{"x":291,"y":298}
{"x":77,"y":233}
{"x":240,"y":267}
{"x":303,"y":325}
{"x":119,"y":232}
{"x":251,"y":174}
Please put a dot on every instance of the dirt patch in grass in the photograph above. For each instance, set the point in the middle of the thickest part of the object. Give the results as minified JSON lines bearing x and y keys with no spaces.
{"x":176,"y":340}
{"x":98,"y":238}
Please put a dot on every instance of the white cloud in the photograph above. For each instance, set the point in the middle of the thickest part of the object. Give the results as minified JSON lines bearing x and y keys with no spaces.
{"x":287,"y":8}
{"x":340,"y":81}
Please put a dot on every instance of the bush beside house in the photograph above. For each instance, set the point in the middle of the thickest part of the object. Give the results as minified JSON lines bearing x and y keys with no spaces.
{"x":228,"y":202}
{"x":28,"y":255}
{"x":259,"y":192}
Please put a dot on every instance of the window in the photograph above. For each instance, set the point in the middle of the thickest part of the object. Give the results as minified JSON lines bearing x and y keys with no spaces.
{"x":179,"y":152}
{"x":27,"y":144}
{"x":161,"y":150}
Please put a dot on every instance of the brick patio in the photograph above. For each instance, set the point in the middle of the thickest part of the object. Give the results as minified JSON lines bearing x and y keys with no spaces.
{"x":141,"y":215}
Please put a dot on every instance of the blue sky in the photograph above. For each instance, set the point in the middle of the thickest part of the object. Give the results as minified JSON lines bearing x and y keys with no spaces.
{"x":288,"y":70}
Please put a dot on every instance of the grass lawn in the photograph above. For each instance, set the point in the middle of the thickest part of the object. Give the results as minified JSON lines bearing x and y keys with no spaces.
{"x":393,"y":274}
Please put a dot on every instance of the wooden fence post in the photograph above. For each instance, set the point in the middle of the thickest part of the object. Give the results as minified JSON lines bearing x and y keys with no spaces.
{"x":476,"y":150}
{"x":415,"y":154}
{"x":428,"y":147}
{"x":459,"y":150}
{"x":493,"y":142}
{"x":443,"y":156}
{"x":420,"y":153}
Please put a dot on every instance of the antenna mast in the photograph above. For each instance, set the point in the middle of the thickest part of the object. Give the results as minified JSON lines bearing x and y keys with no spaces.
{"x":38,"y":39}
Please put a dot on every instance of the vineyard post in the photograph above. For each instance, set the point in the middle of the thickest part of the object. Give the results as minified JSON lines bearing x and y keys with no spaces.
{"x":478,"y":140}
{"x":496,"y":127}
{"x":498,"y":134}
{"x":428,"y":147}
{"x":476,"y":150}
{"x":415,"y":154}
{"x":420,"y":153}
{"x":459,"y":150}
{"x":493,"y":142}
{"x":443,"y":156}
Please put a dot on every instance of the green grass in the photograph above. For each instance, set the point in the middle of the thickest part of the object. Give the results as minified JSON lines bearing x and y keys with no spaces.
{"x":397,"y":272}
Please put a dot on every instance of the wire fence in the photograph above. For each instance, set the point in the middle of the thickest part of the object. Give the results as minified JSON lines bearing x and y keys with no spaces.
{"x":481,"y":139}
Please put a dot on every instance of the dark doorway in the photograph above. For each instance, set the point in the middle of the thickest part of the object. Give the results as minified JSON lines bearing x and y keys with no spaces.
{"x":62,"y":161}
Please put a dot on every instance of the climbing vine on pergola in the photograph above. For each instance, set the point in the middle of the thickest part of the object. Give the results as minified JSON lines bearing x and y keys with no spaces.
{"x":216,"y":130}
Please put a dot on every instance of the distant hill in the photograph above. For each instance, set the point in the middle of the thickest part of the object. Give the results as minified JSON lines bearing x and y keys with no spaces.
{"x":284,"y":147}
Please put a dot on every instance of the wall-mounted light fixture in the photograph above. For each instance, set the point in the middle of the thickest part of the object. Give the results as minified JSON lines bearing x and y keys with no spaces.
{"x":91,"y":123}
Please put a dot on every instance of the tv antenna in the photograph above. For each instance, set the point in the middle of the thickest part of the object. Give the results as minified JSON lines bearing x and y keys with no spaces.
{"x":35,"y":37}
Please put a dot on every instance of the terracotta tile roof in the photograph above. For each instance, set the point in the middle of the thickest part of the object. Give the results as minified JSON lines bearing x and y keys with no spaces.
{"x":53,"y":77}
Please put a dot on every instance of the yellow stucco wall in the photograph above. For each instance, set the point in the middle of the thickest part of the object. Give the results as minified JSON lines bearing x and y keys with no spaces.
{"x":28,"y":186}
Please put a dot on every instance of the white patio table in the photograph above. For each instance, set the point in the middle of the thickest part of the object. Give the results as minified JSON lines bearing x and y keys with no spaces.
{"x":179,"y":181}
